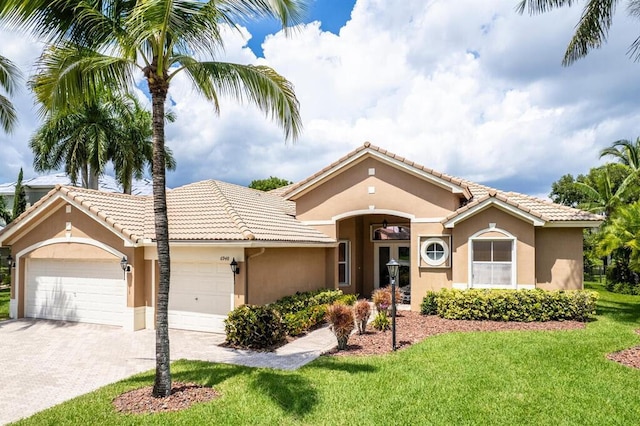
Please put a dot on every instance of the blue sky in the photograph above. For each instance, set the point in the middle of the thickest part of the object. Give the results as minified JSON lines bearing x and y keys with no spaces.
{"x":332,"y":14}
{"x":469,"y":88}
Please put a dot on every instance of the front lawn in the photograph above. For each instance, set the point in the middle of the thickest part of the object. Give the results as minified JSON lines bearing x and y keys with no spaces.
{"x":4,"y":304}
{"x":514,"y":377}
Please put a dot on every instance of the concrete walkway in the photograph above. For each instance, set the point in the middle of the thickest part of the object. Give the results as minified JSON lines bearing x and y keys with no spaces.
{"x":45,"y":363}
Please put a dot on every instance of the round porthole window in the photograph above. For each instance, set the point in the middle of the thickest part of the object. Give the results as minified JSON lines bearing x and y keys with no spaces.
{"x":434,"y":252}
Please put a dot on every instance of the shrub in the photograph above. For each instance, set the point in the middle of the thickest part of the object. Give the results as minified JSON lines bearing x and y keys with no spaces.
{"x":382,"y":298}
{"x":429,"y":305}
{"x":512,"y":305}
{"x":347,"y":299}
{"x":381,"y":321}
{"x":341,"y":319}
{"x":362,"y":311}
{"x":255,"y":327}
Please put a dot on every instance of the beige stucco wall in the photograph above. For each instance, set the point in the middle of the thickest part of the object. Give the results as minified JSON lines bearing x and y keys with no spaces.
{"x":52,"y":224}
{"x":279,"y":272}
{"x":559,"y":263}
{"x":350,"y":191}
{"x":523,"y":231}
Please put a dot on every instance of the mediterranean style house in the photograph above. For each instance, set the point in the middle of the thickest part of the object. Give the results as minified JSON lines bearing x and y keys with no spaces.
{"x":90,"y":256}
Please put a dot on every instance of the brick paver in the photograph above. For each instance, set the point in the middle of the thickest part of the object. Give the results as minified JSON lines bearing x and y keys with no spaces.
{"x":44,"y":363}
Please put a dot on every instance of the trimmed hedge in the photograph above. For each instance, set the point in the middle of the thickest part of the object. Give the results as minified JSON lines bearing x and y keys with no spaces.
{"x":253,"y":326}
{"x":511,"y":305}
{"x":259,"y":327}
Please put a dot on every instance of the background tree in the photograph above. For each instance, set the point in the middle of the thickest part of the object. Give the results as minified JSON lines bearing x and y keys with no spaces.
{"x":96,"y":43}
{"x":625,"y":152}
{"x":593,"y":27}
{"x":132,"y":152}
{"x":269,"y":184}
{"x":19,"y":198}
{"x":9,"y":77}
{"x":5,"y":213}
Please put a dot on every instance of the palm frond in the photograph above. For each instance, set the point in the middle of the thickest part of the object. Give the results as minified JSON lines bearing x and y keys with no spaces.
{"x":259,"y":85}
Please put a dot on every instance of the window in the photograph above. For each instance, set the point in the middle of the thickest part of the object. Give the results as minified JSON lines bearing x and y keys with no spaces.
{"x":344,"y":254}
{"x":492,"y":263}
{"x":390,"y":232}
{"x":435,"y":251}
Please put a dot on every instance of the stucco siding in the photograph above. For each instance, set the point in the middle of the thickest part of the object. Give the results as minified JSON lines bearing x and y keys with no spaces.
{"x":525,"y":247}
{"x":559,"y":263}
{"x":280,"y":272}
{"x":354,"y":189}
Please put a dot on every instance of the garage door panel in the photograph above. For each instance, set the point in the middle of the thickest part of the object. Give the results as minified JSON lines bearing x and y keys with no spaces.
{"x":75,"y":290}
{"x":200,"y":296}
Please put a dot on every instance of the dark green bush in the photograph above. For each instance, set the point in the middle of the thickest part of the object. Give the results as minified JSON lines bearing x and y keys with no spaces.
{"x":429,"y":305}
{"x":511,"y":305}
{"x":255,"y":327}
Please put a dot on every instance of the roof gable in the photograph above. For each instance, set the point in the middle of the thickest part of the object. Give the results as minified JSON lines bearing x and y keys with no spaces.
{"x":454,"y":185}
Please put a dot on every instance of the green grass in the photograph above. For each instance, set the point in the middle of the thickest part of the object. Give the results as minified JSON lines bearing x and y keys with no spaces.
{"x":509,"y":378}
{"x":4,"y":304}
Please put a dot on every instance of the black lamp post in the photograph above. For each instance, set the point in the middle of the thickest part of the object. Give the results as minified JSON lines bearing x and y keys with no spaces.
{"x":393,"y":267}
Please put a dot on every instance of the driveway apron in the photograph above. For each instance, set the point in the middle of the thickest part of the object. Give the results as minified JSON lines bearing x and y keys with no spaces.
{"x":44,"y":363}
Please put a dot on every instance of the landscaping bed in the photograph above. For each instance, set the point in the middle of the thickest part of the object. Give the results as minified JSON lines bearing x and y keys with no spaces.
{"x":412,"y":328}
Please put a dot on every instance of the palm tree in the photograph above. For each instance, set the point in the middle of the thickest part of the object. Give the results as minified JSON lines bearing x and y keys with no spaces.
{"x":104,"y":42}
{"x":602,"y":194}
{"x":132,"y":152}
{"x":9,"y":76}
{"x":592,"y":29}
{"x":622,"y":232}
{"x":626,"y":152}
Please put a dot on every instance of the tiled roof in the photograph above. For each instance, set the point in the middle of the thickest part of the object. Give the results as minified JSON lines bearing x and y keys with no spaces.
{"x":543,"y":209}
{"x":474,"y":192}
{"x":203,"y":211}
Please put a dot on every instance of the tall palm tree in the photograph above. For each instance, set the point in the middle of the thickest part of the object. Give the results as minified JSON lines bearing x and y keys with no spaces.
{"x":132,"y":152}
{"x":9,"y":77}
{"x":592,"y":29}
{"x":626,"y":152}
{"x":98,"y":42}
{"x":77,"y":140}
{"x":623,"y":231}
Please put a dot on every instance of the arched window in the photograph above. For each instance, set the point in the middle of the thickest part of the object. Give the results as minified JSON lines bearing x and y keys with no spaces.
{"x":492,"y":257}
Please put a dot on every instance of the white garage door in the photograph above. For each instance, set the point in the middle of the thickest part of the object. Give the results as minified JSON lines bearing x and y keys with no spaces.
{"x":200,"y":296}
{"x":75,"y":290}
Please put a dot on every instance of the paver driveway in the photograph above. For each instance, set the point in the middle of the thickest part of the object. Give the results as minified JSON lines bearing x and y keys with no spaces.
{"x":43,"y":363}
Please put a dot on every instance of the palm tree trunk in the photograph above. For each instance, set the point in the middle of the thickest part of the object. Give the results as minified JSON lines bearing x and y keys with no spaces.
{"x":85,"y":176}
{"x":94,"y":178}
{"x":162,"y":385}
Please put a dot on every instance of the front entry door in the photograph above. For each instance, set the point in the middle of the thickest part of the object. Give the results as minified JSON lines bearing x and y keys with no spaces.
{"x":401,"y":252}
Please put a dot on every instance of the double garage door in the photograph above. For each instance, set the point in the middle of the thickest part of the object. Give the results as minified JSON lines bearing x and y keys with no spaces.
{"x":75,"y":290}
{"x":200,"y":298}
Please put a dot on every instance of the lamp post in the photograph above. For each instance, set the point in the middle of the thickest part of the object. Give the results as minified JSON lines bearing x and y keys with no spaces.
{"x":393,"y":267}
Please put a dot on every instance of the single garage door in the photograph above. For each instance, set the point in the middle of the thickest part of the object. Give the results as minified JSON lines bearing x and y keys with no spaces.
{"x":200,"y":296}
{"x":75,"y":290}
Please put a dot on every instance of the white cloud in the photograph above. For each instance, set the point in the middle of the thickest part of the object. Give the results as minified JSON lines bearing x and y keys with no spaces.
{"x":469,"y":88}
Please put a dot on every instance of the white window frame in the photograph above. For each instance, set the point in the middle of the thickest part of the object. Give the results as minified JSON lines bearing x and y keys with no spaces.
{"x":506,"y":236}
{"x":346,"y":262}
{"x":425,"y":242}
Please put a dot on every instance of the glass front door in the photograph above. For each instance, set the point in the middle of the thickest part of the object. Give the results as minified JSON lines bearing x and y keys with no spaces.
{"x":401,"y":252}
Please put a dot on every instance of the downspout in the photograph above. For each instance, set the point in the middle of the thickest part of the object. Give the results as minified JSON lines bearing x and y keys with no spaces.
{"x":246,"y":279}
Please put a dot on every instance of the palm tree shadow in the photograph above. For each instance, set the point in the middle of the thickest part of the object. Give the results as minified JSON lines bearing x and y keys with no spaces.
{"x":295,"y":394}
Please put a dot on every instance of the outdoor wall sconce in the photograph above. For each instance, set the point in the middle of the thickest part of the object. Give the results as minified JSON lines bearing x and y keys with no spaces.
{"x":235,"y":268}
{"x":124,"y":265}
{"x":385,"y":224}
{"x":393,"y":268}
{"x":10,"y":262}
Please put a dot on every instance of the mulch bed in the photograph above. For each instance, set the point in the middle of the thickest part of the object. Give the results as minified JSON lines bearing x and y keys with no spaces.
{"x":183,"y":396}
{"x":629,"y":357}
{"x":412,"y":327}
